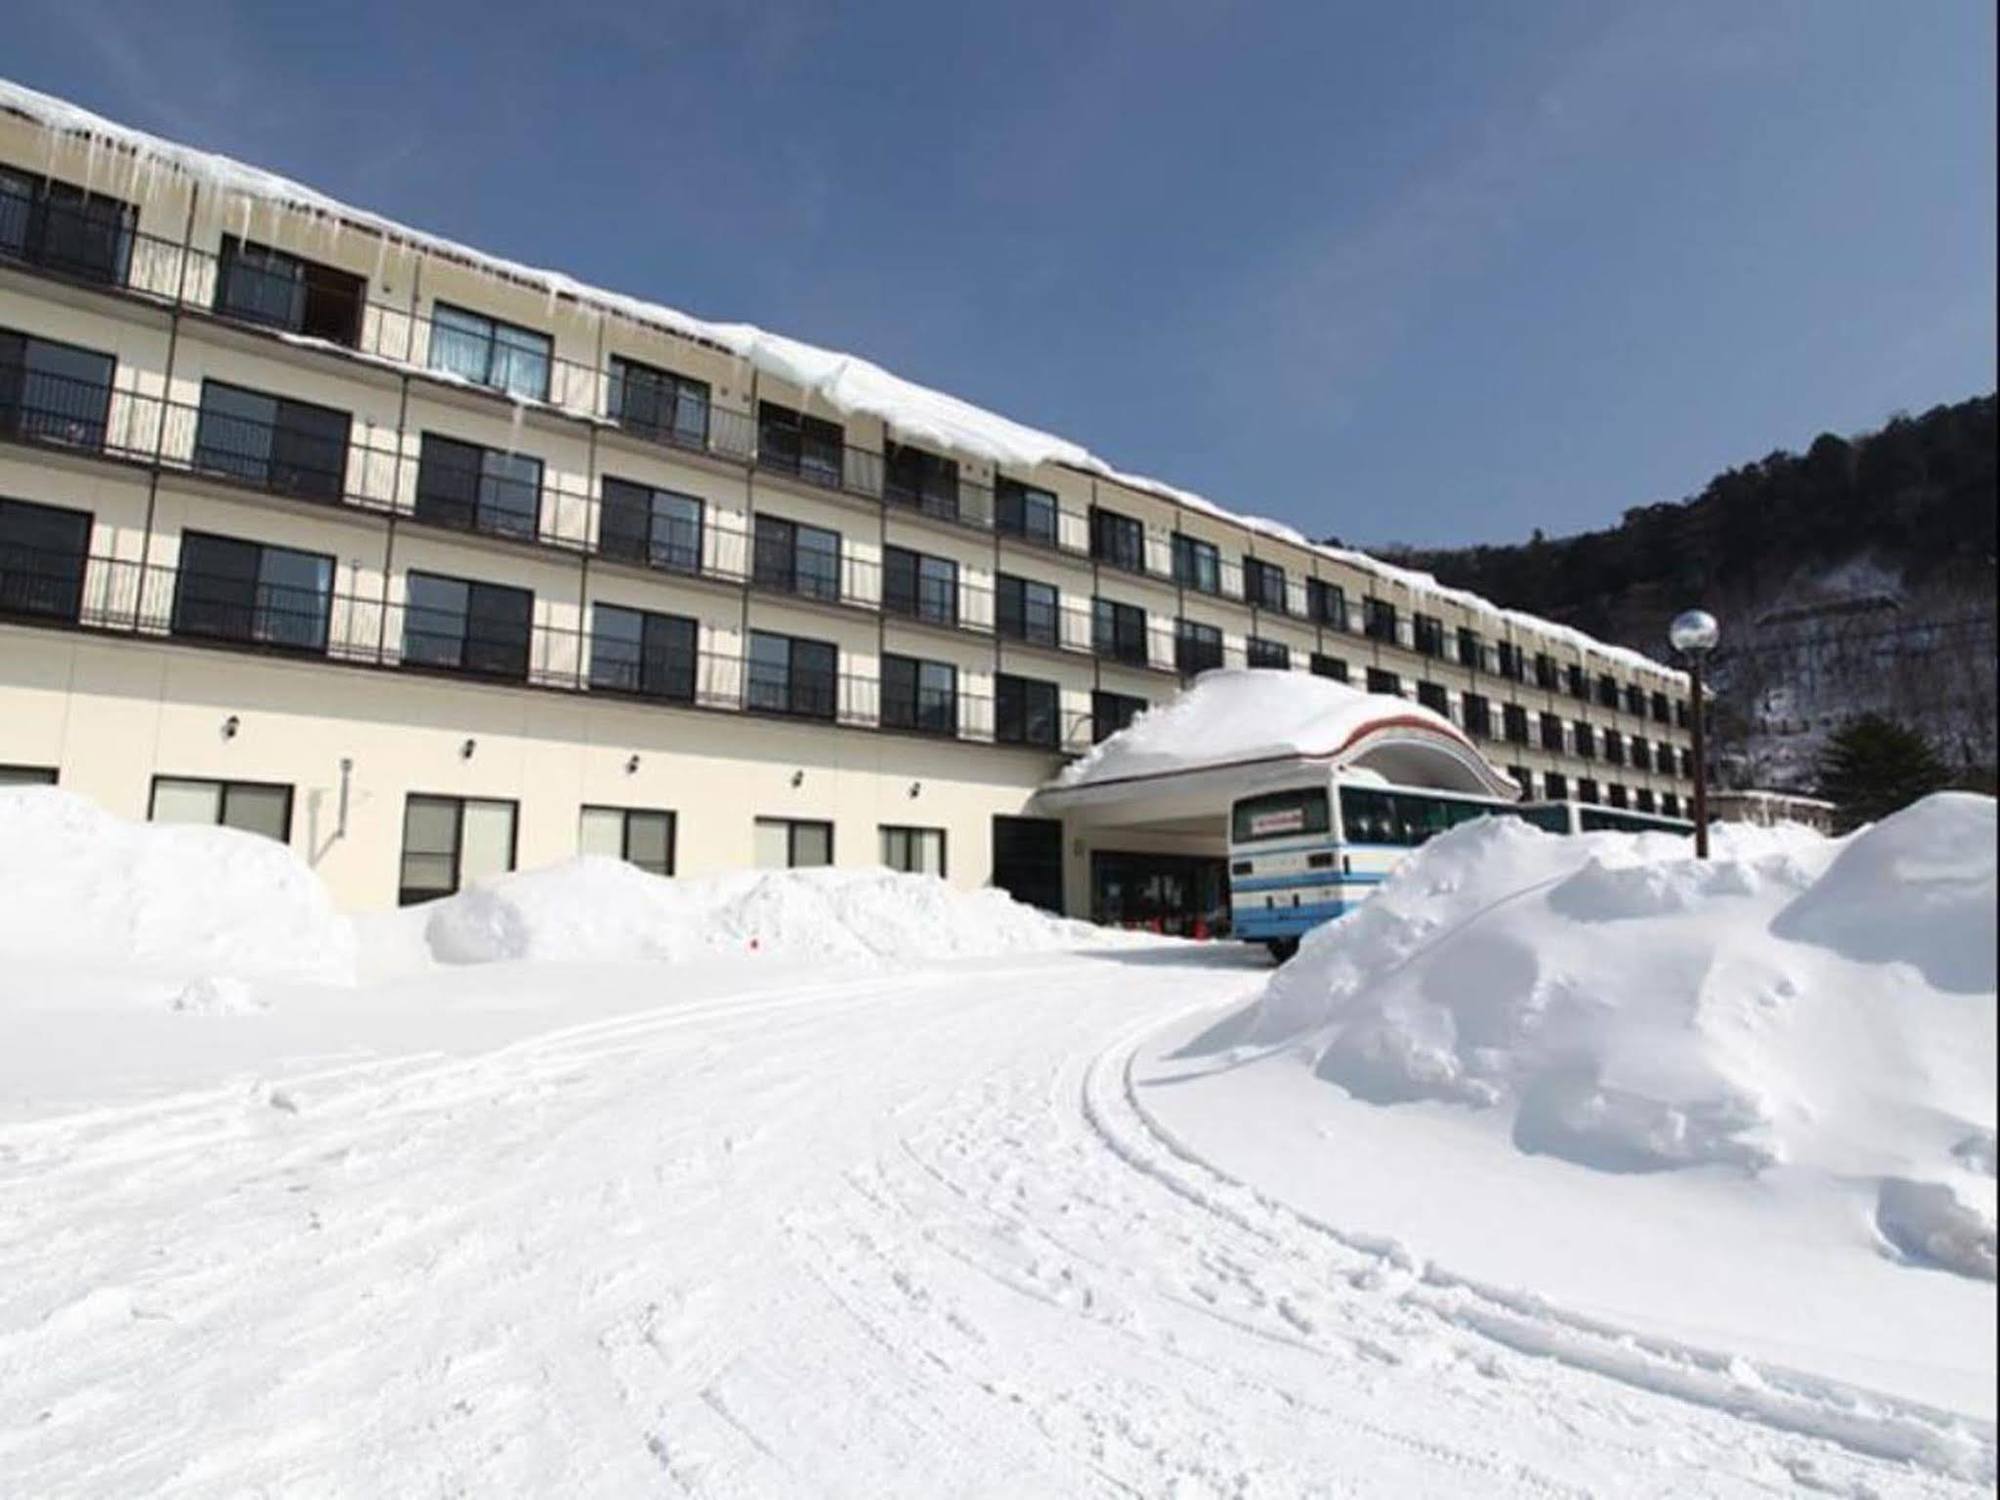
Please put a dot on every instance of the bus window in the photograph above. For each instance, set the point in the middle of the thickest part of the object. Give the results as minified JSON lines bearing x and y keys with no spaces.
{"x":1279,"y":815}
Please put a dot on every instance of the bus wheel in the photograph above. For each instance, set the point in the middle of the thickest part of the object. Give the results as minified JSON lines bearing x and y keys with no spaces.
{"x":1282,"y":948}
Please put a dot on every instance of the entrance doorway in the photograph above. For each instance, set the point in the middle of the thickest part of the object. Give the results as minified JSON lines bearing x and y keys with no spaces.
{"x":1186,"y":895}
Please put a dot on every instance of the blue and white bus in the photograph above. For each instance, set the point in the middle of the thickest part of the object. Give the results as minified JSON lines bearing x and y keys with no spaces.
{"x":1308,"y":853}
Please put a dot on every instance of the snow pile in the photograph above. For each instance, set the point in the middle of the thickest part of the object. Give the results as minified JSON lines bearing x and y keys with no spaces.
{"x":1245,"y":714}
{"x":211,"y":905}
{"x":846,"y":382}
{"x":595,"y":909}
{"x":1825,"y":1007}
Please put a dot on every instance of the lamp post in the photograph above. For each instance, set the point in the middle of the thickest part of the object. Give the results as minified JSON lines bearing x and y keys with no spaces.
{"x":1694,"y":634}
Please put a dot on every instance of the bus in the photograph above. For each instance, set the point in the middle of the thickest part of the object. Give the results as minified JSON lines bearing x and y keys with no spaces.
{"x":1311,"y":852}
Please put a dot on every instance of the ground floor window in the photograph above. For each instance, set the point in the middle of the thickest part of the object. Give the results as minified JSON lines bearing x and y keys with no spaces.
{"x":915,"y":851}
{"x":793,"y":844}
{"x":253,"y":806}
{"x":638,"y":835}
{"x":450,"y":842}
{"x":27,"y":775}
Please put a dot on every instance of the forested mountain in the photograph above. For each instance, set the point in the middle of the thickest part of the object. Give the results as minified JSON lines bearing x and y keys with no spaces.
{"x":1855,"y":577}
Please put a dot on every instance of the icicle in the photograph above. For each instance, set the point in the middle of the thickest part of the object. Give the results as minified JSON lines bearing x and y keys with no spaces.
{"x":514,"y":425}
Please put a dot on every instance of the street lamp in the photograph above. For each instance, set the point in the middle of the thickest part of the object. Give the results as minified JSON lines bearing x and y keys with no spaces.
{"x":1694,"y":634}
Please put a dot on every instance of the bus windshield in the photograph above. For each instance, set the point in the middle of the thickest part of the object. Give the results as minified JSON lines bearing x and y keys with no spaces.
{"x":1280,"y":815}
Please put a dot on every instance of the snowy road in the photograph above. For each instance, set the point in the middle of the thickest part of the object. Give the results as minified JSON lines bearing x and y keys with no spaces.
{"x":867,"y":1235}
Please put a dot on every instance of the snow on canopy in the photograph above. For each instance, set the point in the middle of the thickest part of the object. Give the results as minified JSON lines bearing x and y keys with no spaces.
{"x":1242,"y":714}
{"x":845,"y":382}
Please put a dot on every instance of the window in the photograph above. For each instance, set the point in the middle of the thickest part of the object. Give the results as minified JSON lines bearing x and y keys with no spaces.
{"x":1586,"y":790}
{"x":471,"y":488}
{"x":1614,"y":748}
{"x":1264,"y":585}
{"x":1380,"y":681}
{"x":233,"y":590}
{"x":1378,"y":619}
{"x":487,"y":352}
{"x":921,"y":587}
{"x":64,"y":229}
{"x":659,"y":405}
{"x":1428,"y":632}
{"x":1583,"y":740}
{"x":914,"y":851}
{"x":1026,"y":711}
{"x":1478,"y":715}
{"x":1197,"y":565}
{"x":655,"y":528}
{"x":450,"y":842}
{"x":1670,"y":804}
{"x":805,"y":447}
{"x":1683,"y":717}
{"x":1514,"y":724}
{"x":1617,"y":795}
{"x":260,"y":285}
{"x":639,"y":836}
{"x":1687,"y":764}
{"x":1576,"y":682}
{"x":27,"y":776}
{"x":252,"y":806}
{"x":1552,"y":733}
{"x":637,"y":651}
{"x":1197,"y":647}
{"x":1118,"y":631}
{"x":1329,"y":666}
{"x":788,"y":675}
{"x":1117,"y":540}
{"x":1635,"y":699}
{"x":1509,"y":661}
{"x":1024,"y":511}
{"x":1642,"y":754}
{"x":1660,"y":709}
{"x":797,"y":558}
{"x":53,"y":393}
{"x":1028,"y":611}
{"x":1523,"y":778}
{"x":1607,"y":691}
{"x":1403,"y":819}
{"x":1263,"y":653}
{"x":793,"y":844}
{"x":910,"y":476}
{"x":1434,"y":697}
{"x":919,"y":695}
{"x":467,"y":627}
{"x":287,"y":447}
{"x":1326,"y":603}
{"x":1546,"y":675}
{"x":1555,"y":786}
{"x":1111,"y":712}
{"x":1643,"y":800}
{"x":43,"y":550}
{"x":1470,"y":652}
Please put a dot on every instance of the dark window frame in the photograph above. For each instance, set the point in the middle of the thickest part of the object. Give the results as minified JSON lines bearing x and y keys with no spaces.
{"x":662,"y":669}
{"x":792,"y":827}
{"x":481,"y":598}
{"x":809,"y":449}
{"x":675,"y":410}
{"x":920,"y":479}
{"x":1107,"y":706}
{"x":1117,"y":540}
{"x":225,"y":785}
{"x":1016,"y":502}
{"x":923,"y":595}
{"x":909,"y":704}
{"x":1262,"y":651}
{"x":625,"y":816}
{"x":1020,"y":614}
{"x":813,"y":695}
{"x":887,"y":831}
{"x":460,"y":804}
{"x":1197,"y":564}
{"x":186,"y":617}
{"x":458,"y":489}
{"x":1264,"y":586}
{"x":41,"y":590}
{"x":499,"y":353}
{"x":321,"y":301}
{"x":297,"y":461}
{"x":677,"y":551}
{"x":776,"y":554}
{"x":1014,"y":701}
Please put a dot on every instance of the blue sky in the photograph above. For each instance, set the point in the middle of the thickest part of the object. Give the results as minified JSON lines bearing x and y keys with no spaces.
{"x":1433,"y":272}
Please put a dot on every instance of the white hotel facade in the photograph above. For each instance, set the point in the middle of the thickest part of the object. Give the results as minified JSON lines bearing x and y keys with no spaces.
{"x":434,"y":566}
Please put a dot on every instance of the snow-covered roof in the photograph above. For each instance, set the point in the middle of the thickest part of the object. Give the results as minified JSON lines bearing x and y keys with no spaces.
{"x":1247,"y":716}
{"x":846,"y":382}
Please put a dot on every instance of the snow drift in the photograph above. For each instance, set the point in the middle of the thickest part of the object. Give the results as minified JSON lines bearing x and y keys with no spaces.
{"x":1825,"y":1006}
{"x":211,"y":904}
{"x":595,"y":908}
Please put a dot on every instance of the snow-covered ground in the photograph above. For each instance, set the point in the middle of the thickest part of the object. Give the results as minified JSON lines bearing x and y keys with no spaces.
{"x":787,"y":1213}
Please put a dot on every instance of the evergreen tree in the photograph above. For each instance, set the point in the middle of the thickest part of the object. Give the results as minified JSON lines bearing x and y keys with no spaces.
{"x":1873,"y":767}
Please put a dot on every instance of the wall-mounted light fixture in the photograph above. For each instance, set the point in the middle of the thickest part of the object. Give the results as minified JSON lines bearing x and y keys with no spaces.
{"x":798,"y":778}
{"x":632,"y":766}
{"x":465,"y":750}
{"x":916,"y":787}
{"x":229,"y":727}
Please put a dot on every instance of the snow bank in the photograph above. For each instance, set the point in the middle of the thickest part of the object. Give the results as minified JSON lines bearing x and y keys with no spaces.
{"x":595,"y":908}
{"x":846,"y":382}
{"x":1826,"y":1006}
{"x":1245,"y":714}
{"x":209,"y":904}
